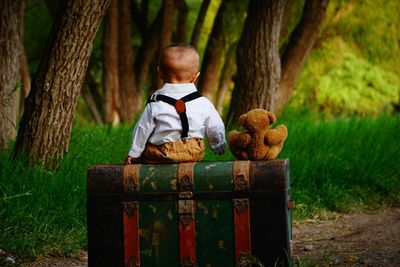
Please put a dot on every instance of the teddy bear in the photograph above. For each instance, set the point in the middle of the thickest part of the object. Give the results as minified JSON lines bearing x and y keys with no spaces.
{"x":257,"y":142}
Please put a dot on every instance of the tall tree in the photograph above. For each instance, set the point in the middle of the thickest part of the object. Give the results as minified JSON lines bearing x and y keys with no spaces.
{"x":44,"y":132}
{"x":130,"y":99}
{"x":140,"y":15}
{"x":147,"y":51}
{"x":165,"y":34}
{"x":300,"y":43}
{"x":199,"y":23}
{"x":10,"y":54}
{"x":120,"y":99}
{"x":183,"y":12}
{"x":228,"y":21}
{"x":212,"y":55}
{"x":25,"y":75}
{"x":258,"y":60}
{"x":225,"y":79}
{"x":111,"y":95}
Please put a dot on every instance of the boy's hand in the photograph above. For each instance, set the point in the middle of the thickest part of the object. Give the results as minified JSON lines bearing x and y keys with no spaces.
{"x":129,"y":160}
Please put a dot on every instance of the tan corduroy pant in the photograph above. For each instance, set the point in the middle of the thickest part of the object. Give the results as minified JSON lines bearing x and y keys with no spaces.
{"x":187,"y":150}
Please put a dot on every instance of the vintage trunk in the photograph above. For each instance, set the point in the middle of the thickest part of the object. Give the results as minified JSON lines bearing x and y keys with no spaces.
{"x":189,"y":214}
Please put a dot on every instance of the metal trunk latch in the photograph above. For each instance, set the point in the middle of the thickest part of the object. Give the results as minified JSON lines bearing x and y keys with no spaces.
{"x":185,"y":203}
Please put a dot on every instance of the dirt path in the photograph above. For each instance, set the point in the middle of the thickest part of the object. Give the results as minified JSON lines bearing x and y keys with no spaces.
{"x":369,"y":239}
{"x":350,"y":240}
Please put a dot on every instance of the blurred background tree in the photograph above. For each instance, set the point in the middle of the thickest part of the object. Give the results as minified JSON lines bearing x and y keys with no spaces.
{"x":345,"y":63}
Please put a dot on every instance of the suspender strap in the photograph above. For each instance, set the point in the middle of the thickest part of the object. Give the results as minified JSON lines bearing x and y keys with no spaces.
{"x":191,"y":96}
{"x":180,"y":107}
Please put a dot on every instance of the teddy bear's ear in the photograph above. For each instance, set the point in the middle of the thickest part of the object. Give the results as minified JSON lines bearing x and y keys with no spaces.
{"x":271,"y":117}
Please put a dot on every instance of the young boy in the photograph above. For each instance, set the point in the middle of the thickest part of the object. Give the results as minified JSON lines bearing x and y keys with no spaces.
{"x":176,"y":117}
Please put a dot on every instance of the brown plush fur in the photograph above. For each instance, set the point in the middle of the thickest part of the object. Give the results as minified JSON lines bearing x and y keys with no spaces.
{"x":257,"y":142}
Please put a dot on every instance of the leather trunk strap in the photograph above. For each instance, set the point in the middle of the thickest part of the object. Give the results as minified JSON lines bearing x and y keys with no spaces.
{"x":241,"y":212}
{"x":131,"y":217}
{"x":186,"y":211}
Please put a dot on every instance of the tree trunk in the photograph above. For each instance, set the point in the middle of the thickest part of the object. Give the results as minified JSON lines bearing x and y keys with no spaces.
{"x":25,"y":75}
{"x":300,"y":44}
{"x":258,"y":60}
{"x":44,"y":132}
{"x":147,"y":52}
{"x":93,"y":87}
{"x":212,"y":55}
{"x":183,"y":12}
{"x":91,"y":105}
{"x":130,"y":100}
{"x":140,"y":16}
{"x":10,"y":54}
{"x":225,"y":79}
{"x":226,"y":30}
{"x":287,"y":10}
{"x":111,"y":97}
{"x":199,"y":23}
{"x":165,"y":36}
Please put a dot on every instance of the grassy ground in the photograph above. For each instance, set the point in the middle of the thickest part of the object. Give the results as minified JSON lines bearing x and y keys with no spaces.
{"x":338,"y":165}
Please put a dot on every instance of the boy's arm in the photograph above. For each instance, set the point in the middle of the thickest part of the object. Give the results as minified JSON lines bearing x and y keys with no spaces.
{"x":215,"y":132}
{"x":130,"y":160}
{"x":141,"y":133}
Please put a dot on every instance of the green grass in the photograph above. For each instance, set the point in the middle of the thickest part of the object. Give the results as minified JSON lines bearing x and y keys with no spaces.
{"x":344,"y":164}
{"x":336,"y":165}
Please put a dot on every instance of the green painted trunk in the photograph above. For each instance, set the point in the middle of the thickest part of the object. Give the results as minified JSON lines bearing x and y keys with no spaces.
{"x":158,"y":192}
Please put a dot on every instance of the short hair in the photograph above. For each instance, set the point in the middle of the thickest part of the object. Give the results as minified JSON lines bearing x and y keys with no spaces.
{"x":179,"y":59}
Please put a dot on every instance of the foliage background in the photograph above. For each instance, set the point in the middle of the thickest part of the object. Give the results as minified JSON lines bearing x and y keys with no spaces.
{"x":353,"y":68}
{"x":343,"y":123}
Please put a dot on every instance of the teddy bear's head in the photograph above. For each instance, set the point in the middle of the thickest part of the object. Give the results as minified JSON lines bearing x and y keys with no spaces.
{"x":257,"y":120}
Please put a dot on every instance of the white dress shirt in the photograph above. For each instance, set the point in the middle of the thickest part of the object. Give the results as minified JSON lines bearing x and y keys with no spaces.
{"x":160,"y":122}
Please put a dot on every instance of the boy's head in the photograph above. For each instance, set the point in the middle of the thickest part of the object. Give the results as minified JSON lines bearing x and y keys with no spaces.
{"x":179,"y":63}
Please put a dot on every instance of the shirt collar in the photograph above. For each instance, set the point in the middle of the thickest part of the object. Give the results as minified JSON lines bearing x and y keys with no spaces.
{"x":177,"y":88}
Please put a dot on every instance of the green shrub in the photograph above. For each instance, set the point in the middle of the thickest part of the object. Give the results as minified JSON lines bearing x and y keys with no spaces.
{"x":356,"y":87}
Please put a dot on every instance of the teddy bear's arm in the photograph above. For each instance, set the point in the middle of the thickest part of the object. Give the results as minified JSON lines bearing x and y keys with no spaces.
{"x":243,"y":139}
{"x":276,"y":136}
{"x":238,"y":139}
{"x":238,"y":142}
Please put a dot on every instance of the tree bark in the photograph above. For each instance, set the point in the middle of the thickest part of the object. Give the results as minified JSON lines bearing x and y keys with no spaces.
{"x":44,"y":132}
{"x":258,"y":60}
{"x":183,"y":12}
{"x":199,"y":23}
{"x":165,"y":36}
{"x":225,"y":79}
{"x":300,"y":44}
{"x":25,"y":75}
{"x":130,"y":100}
{"x":93,"y":89}
{"x":111,"y":96}
{"x":147,"y":52}
{"x":287,"y":10}
{"x":212,"y":55}
{"x":91,"y":105}
{"x":140,"y":16}
{"x":10,"y":54}
{"x":229,"y":16}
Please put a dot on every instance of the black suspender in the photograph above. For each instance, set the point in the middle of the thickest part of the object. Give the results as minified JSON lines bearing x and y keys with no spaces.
{"x":179,"y":105}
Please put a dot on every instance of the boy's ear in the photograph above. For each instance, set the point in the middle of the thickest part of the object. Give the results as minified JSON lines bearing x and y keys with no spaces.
{"x":194,"y":78}
{"x":160,"y":73}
